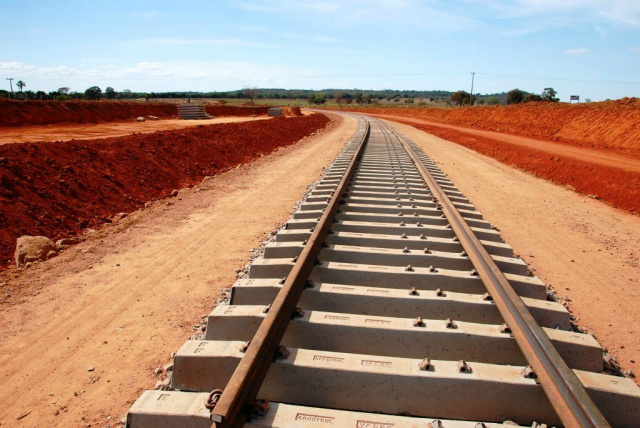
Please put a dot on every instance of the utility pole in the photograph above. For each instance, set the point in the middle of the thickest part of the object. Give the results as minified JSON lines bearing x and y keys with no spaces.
{"x":473,"y":76}
{"x":10,"y":79}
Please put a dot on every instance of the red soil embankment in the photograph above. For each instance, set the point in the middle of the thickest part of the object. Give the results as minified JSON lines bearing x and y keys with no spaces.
{"x":20,"y":113}
{"x":618,"y":187}
{"x":59,"y":189}
{"x":218,"y":110}
{"x":608,"y":124}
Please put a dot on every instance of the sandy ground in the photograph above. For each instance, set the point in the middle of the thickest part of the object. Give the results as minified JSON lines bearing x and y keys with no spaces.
{"x":131,"y":294}
{"x":587,"y":250}
{"x":69,"y":131}
{"x":626,"y":161}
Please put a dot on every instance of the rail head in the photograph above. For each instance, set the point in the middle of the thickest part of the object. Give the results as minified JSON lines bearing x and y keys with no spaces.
{"x":564,"y":390}
{"x":230,"y":406}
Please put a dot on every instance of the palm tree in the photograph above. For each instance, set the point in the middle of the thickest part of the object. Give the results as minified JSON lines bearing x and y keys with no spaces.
{"x":21,"y":84}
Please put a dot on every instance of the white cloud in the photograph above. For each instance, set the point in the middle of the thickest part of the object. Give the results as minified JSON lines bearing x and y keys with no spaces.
{"x":325,"y":39}
{"x":432,"y":15}
{"x":577,"y":51}
{"x":568,"y":11}
{"x":148,"y":75}
{"x":145,"y":43}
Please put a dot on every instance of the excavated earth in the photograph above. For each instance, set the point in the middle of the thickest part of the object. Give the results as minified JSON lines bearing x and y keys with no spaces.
{"x":607,"y":125}
{"x":59,"y":189}
{"x":607,"y":133}
{"x":20,"y":113}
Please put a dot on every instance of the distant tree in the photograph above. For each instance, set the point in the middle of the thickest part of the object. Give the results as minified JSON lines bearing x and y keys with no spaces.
{"x":126,"y":94}
{"x":41,"y":95}
{"x":531,"y":97}
{"x":515,"y":96}
{"x":462,"y":98}
{"x":317,"y":99}
{"x":93,"y":93}
{"x":338,"y":97}
{"x":63,"y":91}
{"x":110,"y":92}
{"x":250,"y":92}
{"x":359,"y":98}
{"x":492,"y":101}
{"x":409,"y":101}
{"x":21,"y":85}
{"x":4,"y":94}
{"x":587,"y":100}
{"x":347,"y":98}
{"x":549,"y":94}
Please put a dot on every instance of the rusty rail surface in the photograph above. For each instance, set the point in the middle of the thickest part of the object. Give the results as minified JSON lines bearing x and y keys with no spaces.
{"x":231,"y":408}
{"x":563,"y":388}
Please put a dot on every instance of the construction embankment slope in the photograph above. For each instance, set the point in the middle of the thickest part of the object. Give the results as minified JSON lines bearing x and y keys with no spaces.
{"x":592,"y":148}
{"x":25,"y":113}
{"x":60,"y":189}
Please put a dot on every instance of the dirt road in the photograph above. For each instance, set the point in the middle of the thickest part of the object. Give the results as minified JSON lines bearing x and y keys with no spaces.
{"x":624,"y":161}
{"x":122,"y":301}
{"x":588,"y":251}
{"x":69,"y":131}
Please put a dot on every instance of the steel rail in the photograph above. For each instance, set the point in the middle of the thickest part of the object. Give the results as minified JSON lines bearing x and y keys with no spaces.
{"x":564,"y":390}
{"x":230,"y":411}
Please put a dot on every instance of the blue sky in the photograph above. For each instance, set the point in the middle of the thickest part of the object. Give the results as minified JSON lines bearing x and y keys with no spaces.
{"x":585,"y":47}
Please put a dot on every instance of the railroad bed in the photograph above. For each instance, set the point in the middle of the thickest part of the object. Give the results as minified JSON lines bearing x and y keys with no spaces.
{"x":381,"y":304}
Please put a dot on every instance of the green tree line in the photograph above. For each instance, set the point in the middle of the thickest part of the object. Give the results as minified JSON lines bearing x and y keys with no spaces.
{"x":339,"y":96}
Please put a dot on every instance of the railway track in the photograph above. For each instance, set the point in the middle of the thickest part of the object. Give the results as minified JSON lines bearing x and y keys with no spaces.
{"x":387,"y":301}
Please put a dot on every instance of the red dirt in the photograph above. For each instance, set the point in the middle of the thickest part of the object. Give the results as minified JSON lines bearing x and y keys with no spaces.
{"x":618,"y":187}
{"x":608,"y":125}
{"x":293,"y":111}
{"x":19,"y":113}
{"x":59,"y":189}
{"x":218,"y":110}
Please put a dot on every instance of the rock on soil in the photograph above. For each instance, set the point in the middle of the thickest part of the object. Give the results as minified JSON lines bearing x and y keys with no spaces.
{"x":88,"y":182}
{"x":66,"y":242}
{"x":34,"y":248}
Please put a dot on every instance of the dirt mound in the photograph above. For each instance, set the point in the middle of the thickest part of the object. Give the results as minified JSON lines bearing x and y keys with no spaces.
{"x":615,"y":186}
{"x":59,"y":189}
{"x":19,"y":113}
{"x":218,"y":110}
{"x":292,"y":112}
{"x":608,"y":124}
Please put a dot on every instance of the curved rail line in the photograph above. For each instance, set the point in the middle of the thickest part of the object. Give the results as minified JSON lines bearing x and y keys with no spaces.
{"x":388,"y":301}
